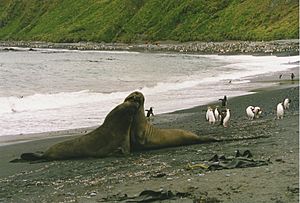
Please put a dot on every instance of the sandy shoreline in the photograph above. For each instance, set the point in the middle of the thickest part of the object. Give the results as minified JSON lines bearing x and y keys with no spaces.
{"x":94,"y":180}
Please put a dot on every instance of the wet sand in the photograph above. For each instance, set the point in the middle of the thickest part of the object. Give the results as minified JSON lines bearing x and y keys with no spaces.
{"x":115,"y":178}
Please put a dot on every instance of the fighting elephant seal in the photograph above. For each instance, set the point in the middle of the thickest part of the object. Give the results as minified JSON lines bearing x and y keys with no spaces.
{"x":112,"y":137}
{"x":144,"y":136}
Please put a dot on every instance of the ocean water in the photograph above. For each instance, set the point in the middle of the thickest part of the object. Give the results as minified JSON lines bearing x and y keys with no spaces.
{"x":49,"y":90}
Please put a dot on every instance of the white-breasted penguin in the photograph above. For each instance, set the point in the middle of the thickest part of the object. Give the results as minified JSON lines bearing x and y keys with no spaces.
{"x":217,"y":113}
{"x":210,"y":116}
{"x":250,"y":112}
{"x":206,"y":115}
{"x":286,"y":103}
{"x":257,"y":111}
{"x":280,"y":110}
{"x":226,"y":119}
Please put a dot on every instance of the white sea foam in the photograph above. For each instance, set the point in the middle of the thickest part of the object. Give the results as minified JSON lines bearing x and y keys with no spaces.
{"x":240,"y":81}
{"x":39,"y":102}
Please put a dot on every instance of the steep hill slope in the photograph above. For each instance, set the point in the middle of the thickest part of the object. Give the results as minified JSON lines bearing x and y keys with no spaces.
{"x":148,"y":20}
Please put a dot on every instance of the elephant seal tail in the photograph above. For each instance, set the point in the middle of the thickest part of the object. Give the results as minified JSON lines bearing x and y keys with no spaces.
{"x":31,"y":157}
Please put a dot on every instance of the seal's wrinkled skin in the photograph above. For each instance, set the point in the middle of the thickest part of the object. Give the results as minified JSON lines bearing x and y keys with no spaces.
{"x":144,"y":136}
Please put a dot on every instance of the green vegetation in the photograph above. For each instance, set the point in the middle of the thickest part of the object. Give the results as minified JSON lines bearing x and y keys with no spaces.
{"x":148,"y":20}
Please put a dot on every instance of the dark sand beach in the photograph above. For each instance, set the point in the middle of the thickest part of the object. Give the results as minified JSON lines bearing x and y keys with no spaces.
{"x":115,"y":179}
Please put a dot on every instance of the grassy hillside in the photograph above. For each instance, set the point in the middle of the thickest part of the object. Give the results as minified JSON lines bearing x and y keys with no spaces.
{"x":148,"y":20}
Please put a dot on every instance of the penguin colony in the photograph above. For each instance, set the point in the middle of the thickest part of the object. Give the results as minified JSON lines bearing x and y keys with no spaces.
{"x":252,"y":112}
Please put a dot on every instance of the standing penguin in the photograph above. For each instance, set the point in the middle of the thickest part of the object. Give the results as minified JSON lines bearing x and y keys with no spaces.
{"x":257,"y":111}
{"x":226,"y":119}
{"x":292,"y":76}
{"x":149,"y":112}
{"x":250,"y":112}
{"x":224,"y":101}
{"x":210,"y":116}
{"x":286,"y":103}
{"x":207,"y":112}
{"x":217,"y":113}
{"x":280,"y":110}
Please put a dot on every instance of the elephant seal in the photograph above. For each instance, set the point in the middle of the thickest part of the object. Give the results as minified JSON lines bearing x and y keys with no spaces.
{"x":111,"y":138}
{"x":144,"y":136}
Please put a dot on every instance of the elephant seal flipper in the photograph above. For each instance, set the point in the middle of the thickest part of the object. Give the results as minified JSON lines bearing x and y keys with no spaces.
{"x":112,"y":137}
{"x":31,"y":156}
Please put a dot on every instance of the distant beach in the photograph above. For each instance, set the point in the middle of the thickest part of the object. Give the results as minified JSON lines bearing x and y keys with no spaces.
{"x":277,"y":47}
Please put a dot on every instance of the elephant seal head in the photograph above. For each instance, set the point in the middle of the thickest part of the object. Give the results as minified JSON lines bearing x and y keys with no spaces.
{"x":136,"y":97}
